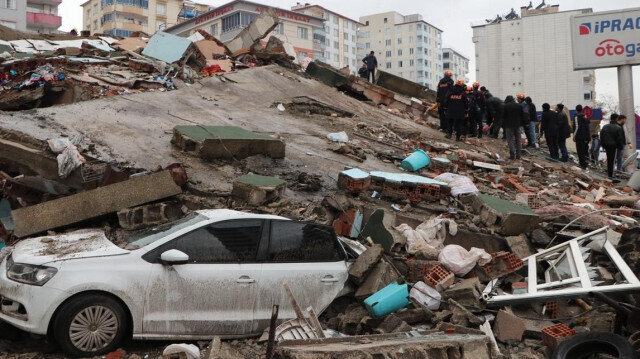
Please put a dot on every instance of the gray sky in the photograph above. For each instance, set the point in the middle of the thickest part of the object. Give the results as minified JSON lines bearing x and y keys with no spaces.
{"x":452,"y":16}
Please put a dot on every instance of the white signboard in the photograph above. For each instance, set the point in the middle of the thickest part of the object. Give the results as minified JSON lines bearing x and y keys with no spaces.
{"x":606,"y":39}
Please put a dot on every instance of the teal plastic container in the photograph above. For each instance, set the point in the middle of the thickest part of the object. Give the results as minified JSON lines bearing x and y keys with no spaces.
{"x":416,"y":161}
{"x":388,"y":299}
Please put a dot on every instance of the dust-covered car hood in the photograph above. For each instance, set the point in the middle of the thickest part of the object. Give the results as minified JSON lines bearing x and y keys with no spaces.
{"x":78,"y":244}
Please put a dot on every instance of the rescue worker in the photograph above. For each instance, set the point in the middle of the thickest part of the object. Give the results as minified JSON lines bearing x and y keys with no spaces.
{"x":512,"y":119}
{"x":533,"y":115}
{"x":456,"y":110}
{"x":494,"y":107}
{"x":526,"y":121}
{"x":564,"y":132}
{"x":582,"y":136}
{"x":613,"y":140}
{"x":549,"y":128}
{"x":364,"y":72}
{"x":481,"y":105}
{"x":444,"y":88}
{"x":372,"y":63}
{"x":472,"y":112}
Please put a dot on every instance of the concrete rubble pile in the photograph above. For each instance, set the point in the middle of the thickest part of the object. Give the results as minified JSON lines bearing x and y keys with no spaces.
{"x":453,"y":252}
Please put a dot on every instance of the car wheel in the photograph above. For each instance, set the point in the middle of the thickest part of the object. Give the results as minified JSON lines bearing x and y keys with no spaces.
{"x":590,"y":345}
{"x":90,"y":325}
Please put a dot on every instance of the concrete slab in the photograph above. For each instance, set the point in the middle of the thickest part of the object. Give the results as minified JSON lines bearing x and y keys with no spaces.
{"x":90,"y":204}
{"x":166,"y":47}
{"x":416,"y":345}
{"x":404,"y":86}
{"x":260,"y":27}
{"x":514,"y":218}
{"x":256,"y":190}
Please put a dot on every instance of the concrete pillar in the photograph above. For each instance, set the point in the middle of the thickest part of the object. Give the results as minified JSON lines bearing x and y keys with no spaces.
{"x":625,"y":95}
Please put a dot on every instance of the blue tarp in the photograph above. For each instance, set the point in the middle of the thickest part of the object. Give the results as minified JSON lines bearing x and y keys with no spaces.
{"x":166,"y":47}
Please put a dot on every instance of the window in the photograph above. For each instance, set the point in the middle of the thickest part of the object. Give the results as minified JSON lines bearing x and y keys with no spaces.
{"x":336,"y":57}
{"x":335,"y":19}
{"x":387,"y":42}
{"x":303,"y":33}
{"x":95,"y":24}
{"x":587,"y":96}
{"x":399,"y":41}
{"x":279,"y":30}
{"x":161,"y":9}
{"x":345,"y":24}
{"x":367,"y":23}
{"x":445,"y":55}
{"x":353,"y":50}
{"x":400,"y":64}
{"x":445,"y":65}
{"x":400,"y":52}
{"x":236,"y":21}
{"x":353,"y":26}
{"x":303,"y":242}
{"x":385,"y":20}
{"x":411,"y":63}
{"x":345,"y":48}
{"x":144,"y":4}
{"x":214,"y":29}
{"x":387,"y":31}
{"x":8,"y":4}
{"x":411,"y":73}
{"x":302,"y":54}
{"x":353,"y":63}
{"x":336,"y":45}
{"x":367,"y":45}
{"x":327,"y":55}
{"x":399,"y":29}
{"x":411,"y":51}
{"x":388,"y":53}
{"x":353,"y":38}
{"x":410,"y":27}
{"x":345,"y":36}
{"x":336,"y":32}
{"x":388,"y":65}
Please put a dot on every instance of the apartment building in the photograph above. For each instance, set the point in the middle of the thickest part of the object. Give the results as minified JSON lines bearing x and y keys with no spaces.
{"x":337,"y":42}
{"x":226,"y":21}
{"x":531,"y":53}
{"x":406,"y":46}
{"x":39,"y":16}
{"x":123,"y":17}
{"x":456,"y":62}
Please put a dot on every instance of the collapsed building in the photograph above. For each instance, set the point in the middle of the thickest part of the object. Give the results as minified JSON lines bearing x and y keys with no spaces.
{"x":458,"y":254}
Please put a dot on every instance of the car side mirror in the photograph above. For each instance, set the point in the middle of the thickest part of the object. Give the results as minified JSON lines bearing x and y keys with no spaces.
{"x":174,"y":257}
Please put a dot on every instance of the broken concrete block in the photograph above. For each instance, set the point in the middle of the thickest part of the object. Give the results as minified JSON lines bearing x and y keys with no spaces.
{"x":466,"y":292}
{"x":507,"y":327}
{"x":381,"y":276}
{"x":462,"y":316}
{"x":257,"y":190}
{"x":258,"y":29}
{"x":90,"y":204}
{"x":221,"y":350}
{"x":514,"y":218}
{"x":149,"y":215}
{"x":352,"y":320}
{"x":390,"y":323}
{"x":404,"y":86}
{"x":230,"y":142}
{"x":519,"y":245}
{"x":538,"y":236}
{"x":365,"y":263}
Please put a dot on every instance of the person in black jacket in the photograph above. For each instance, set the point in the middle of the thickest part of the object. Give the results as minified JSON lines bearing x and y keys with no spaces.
{"x":444,"y":89}
{"x":494,"y":107}
{"x":372,"y":63}
{"x":550,"y":129}
{"x":564,"y":132}
{"x":456,"y":110}
{"x":476,"y":121}
{"x":512,"y":118}
{"x":582,"y":136}
{"x":613,"y":139}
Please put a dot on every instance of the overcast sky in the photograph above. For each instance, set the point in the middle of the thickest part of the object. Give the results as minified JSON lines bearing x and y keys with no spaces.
{"x":454,"y":17}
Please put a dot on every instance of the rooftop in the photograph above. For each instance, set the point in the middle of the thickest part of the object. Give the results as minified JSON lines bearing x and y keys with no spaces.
{"x":308,"y":6}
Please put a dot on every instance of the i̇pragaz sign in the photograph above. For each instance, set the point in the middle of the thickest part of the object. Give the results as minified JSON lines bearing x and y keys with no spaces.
{"x":606,"y":39}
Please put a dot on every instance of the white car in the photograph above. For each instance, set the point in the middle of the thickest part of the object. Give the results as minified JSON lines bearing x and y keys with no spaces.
{"x":214,"y":272}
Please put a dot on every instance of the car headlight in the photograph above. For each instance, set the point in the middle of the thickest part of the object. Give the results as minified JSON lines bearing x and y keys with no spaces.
{"x":28,"y":273}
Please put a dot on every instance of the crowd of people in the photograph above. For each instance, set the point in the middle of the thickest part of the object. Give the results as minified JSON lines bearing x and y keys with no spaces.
{"x":464,"y":110}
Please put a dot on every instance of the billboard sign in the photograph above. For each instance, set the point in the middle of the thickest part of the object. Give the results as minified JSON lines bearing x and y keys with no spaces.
{"x":606,"y":39}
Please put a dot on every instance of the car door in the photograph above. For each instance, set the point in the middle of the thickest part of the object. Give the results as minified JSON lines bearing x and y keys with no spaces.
{"x":310,"y":259}
{"x":215,"y":292}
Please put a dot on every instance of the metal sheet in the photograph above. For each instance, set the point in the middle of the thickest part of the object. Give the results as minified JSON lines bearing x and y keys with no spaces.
{"x":166,"y":47}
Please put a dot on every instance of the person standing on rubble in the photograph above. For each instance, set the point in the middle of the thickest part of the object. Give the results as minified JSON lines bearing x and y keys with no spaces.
{"x":526,"y":121}
{"x":582,"y":136}
{"x":372,"y":63}
{"x":457,"y":106}
{"x":512,"y":119}
{"x":444,"y":89}
{"x":533,"y":115}
{"x":494,"y":107}
{"x":550,"y":129}
{"x":472,"y":112}
{"x":619,"y":159}
{"x":613,"y":140}
{"x":481,"y":103}
{"x":564,"y":132}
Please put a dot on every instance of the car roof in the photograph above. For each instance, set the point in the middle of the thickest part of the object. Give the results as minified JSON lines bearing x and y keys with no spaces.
{"x":228,"y":214}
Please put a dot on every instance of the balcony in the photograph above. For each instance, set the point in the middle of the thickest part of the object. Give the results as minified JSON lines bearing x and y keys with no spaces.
{"x":360,"y":45}
{"x":319,"y":32}
{"x":40,"y":20}
{"x":319,"y":45}
{"x":362,"y":34}
{"x":44,"y":2}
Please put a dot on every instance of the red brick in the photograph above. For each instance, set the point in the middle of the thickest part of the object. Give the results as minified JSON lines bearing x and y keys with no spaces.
{"x":553,"y":335}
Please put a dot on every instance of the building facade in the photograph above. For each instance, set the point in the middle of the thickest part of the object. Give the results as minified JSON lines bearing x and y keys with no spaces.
{"x":39,"y":16}
{"x":406,"y":46}
{"x":456,"y":62}
{"x":123,"y":17}
{"x":337,"y":42}
{"x":226,"y":21}
{"x":532,"y":54}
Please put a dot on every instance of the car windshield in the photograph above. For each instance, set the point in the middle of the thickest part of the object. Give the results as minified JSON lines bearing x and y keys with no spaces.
{"x":147,"y":236}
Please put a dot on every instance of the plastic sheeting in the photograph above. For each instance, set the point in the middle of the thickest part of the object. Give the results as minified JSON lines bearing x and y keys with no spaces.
{"x":459,"y":184}
{"x":460,"y":261}
{"x":426,"y":296}
{"x":428,"y":237}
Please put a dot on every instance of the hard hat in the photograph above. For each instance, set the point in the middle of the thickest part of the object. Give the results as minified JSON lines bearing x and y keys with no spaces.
{"x":476,"y":84}
{"x":448,"y":73}
{"x":469,"y":88}
{"x":521,"y":95}
{"x":460,"y":82}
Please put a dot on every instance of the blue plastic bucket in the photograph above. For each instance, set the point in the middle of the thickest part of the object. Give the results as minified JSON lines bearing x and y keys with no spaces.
{"x":416,"y":161}
{"x":388,"y":299}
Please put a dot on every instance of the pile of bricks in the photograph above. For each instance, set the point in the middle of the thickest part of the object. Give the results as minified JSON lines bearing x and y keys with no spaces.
{"x":503,"y":263}
{"x":418,"y":269}
{"x":351,"y":184}
{"x":439,"y":278}
{"x":552,"y":308}
{"x":553,"y":335}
